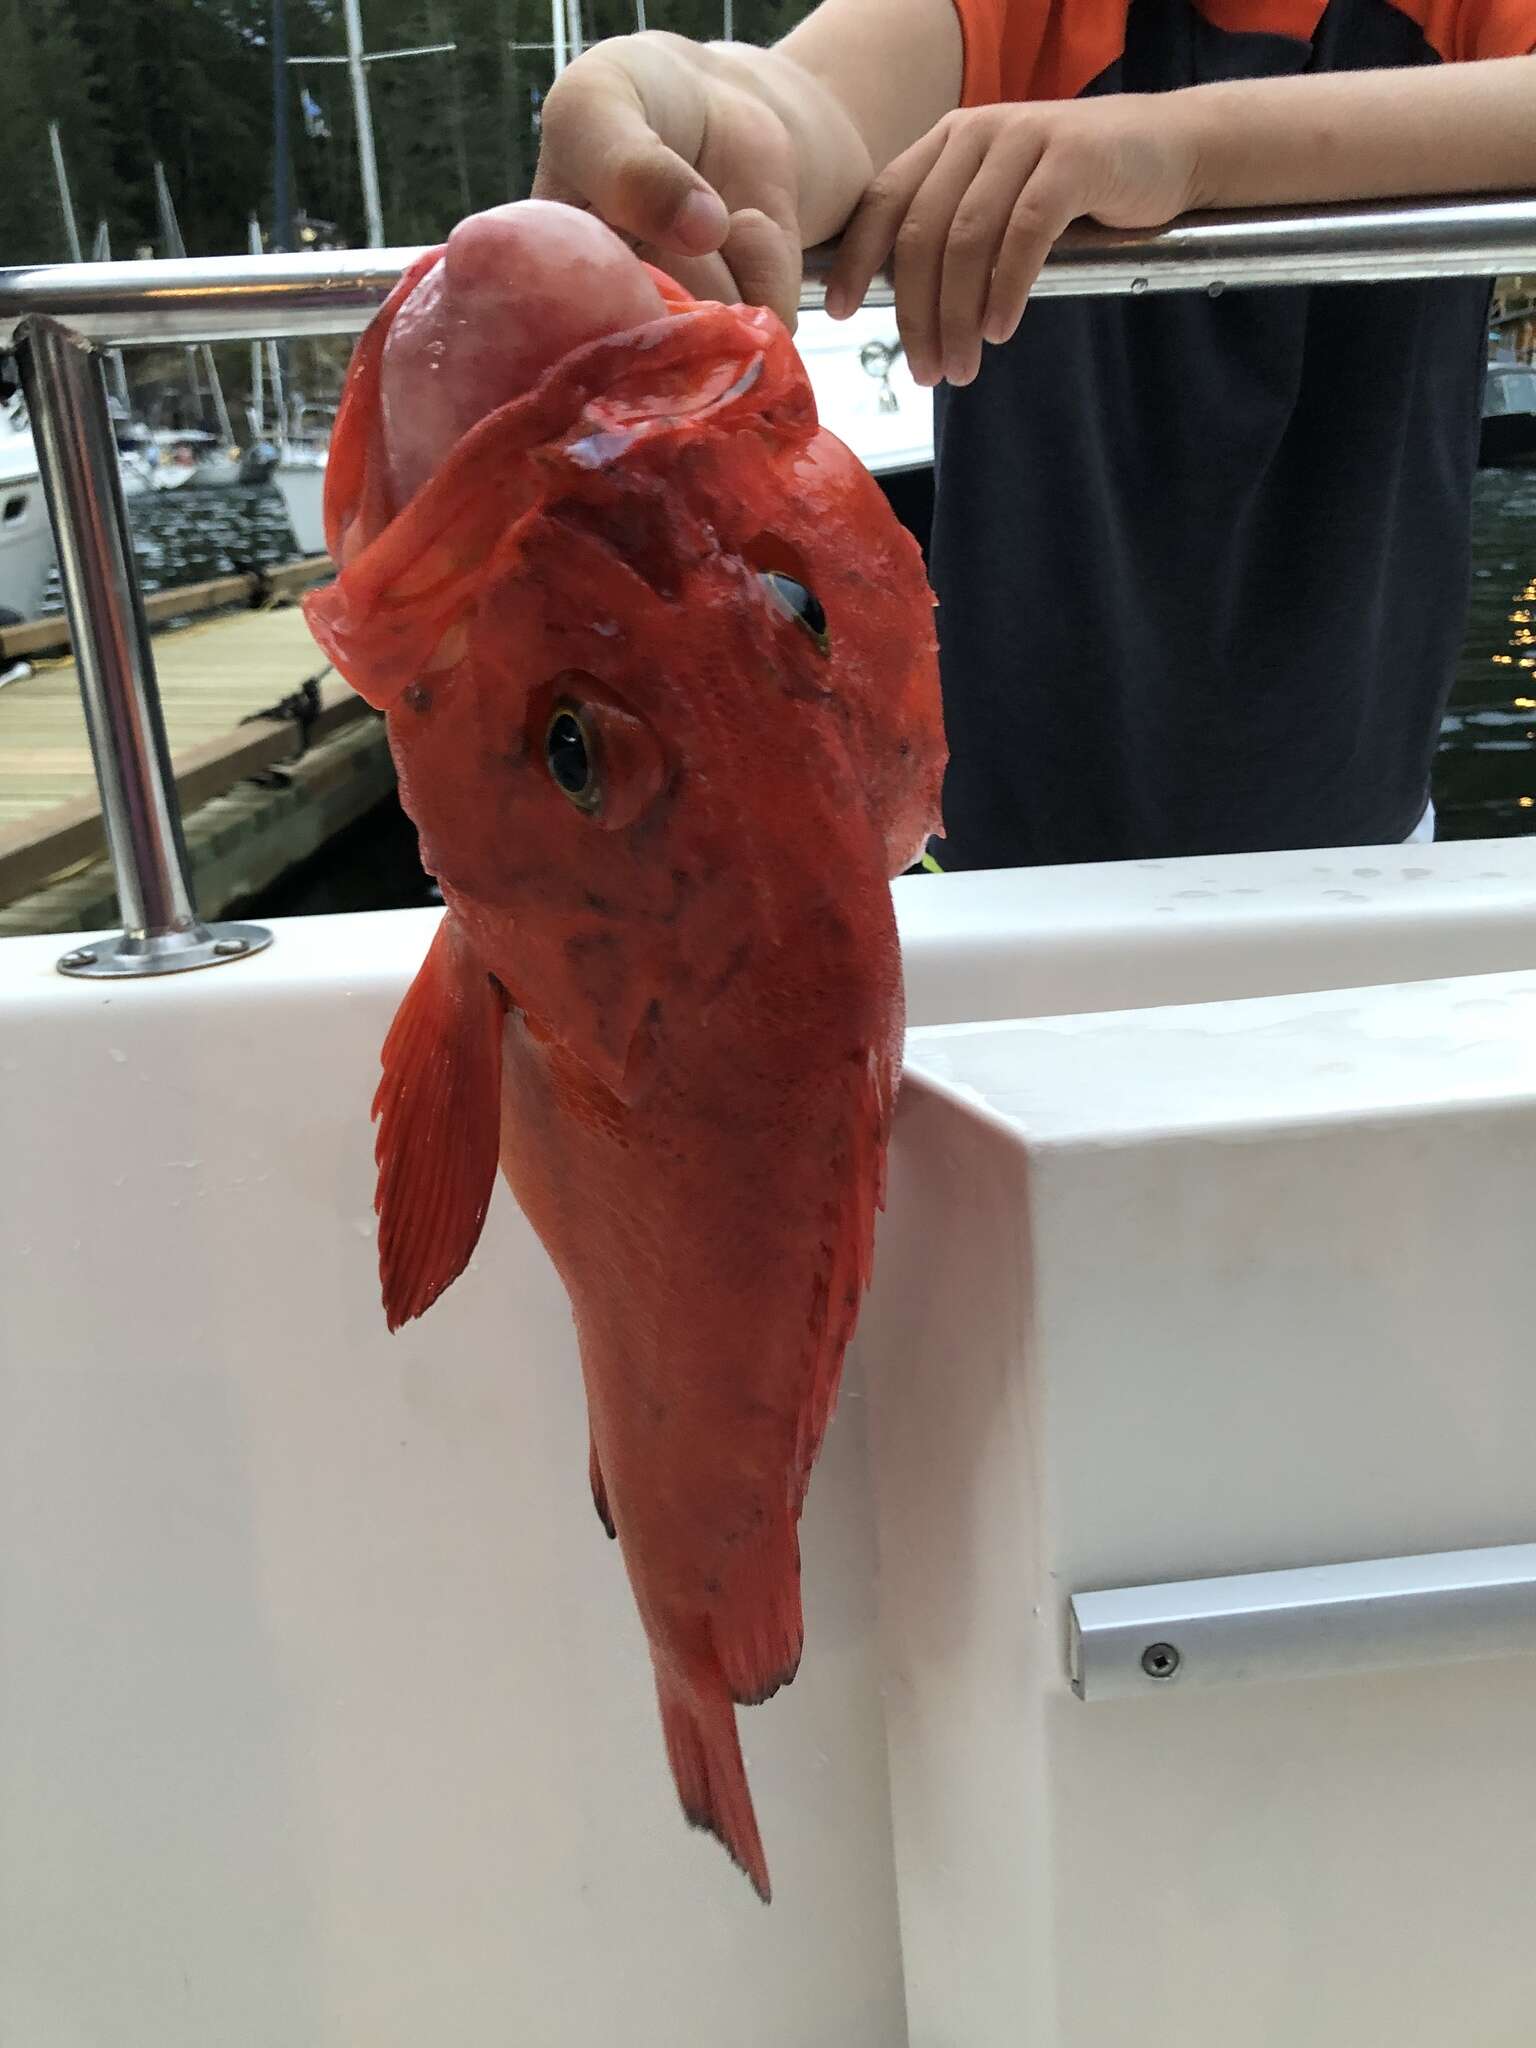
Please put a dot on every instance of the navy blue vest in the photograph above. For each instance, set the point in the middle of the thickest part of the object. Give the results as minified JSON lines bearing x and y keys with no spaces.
{"x":1202,"y":564}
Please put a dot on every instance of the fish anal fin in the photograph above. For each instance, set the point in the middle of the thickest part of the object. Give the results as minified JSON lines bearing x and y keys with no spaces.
{"x":438,"y":1108}
{"x":699,"y":1726}
{"x":756,"y":1626}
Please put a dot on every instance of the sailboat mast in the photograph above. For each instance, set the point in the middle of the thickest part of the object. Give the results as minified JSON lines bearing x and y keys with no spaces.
{"x":66,"y":204}
{"x":101,"y":252}
{"x":282,"y":168}
{"x":367,"y":162}
{"x":258,"y":382}
{"x":170,"y":229}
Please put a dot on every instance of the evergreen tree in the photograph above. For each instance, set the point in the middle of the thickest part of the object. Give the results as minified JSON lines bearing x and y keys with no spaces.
{"x":47,"y":76}
{"x":188,"y":83}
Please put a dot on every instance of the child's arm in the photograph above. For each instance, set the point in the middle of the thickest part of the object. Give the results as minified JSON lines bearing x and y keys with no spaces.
{"x":969,"y":211}
{"x":723,"y":161}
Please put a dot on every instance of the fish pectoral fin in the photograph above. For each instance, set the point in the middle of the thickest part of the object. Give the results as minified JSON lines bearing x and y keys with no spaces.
{"x":438,"y":1108}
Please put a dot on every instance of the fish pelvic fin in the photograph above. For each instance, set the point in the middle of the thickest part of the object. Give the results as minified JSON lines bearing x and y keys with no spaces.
{"x":699,"y":1725}
{"x":600,"y":1495}
{"x":438,"y":1108}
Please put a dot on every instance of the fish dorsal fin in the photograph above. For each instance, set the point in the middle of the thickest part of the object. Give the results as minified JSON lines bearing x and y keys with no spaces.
{"x":438,"y":1108}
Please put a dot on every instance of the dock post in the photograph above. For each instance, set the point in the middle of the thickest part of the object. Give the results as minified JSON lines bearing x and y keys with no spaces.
{"x":66,"y":396}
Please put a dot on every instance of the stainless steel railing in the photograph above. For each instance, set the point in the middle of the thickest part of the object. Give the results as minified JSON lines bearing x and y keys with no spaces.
{"x":264,"y":298}
{"x":59,"y":317}
{"x":67,"y":398}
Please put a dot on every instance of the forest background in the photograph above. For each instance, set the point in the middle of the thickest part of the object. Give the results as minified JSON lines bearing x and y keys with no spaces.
{"x":189,"y":84}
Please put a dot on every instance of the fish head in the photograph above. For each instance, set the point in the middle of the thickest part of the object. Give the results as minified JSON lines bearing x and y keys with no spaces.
{"x":658,"y":664}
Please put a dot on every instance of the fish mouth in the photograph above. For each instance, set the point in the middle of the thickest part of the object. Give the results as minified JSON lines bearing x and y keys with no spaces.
{"x":919,"y":851}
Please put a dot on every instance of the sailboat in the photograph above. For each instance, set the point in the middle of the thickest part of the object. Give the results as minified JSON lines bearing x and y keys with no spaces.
{"x":296,"y":438}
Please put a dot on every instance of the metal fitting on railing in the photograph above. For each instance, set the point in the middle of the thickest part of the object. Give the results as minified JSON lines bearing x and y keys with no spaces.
{"x":58,"y":314}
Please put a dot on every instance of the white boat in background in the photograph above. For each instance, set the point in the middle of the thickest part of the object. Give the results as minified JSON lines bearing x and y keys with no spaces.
{"x":179,"y":458}
{"x":26,"y":539}
{"x":299,"y":475}
{"x":300,"y":481}
{"x":864,"y":390}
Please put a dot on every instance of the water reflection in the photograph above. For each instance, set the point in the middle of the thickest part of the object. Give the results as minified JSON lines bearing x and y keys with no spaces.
{"x":1485,"y":772}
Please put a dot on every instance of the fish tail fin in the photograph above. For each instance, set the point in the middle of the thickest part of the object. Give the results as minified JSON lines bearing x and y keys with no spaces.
{"x":702,"y":1747}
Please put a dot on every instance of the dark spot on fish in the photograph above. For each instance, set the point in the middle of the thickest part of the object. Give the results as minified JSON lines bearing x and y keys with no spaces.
{"x":583,"y":946}
{"x":595,"y":902}
{"x":657,"y":1410}
{"x":740,"y":955}
{"x":636,"y":528}
{"x":903,"y":748}
{"x":601,"y":974}
{"x":713,"y":1585}
{"x":418,"y":696}
{"x":682,"y":889}
{"x":806,"y":689}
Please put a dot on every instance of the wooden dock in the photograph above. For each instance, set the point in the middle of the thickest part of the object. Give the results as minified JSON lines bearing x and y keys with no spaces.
{"x":243,"y":691}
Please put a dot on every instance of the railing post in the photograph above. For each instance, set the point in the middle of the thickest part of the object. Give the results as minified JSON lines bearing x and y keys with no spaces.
{"x":67,"y":402}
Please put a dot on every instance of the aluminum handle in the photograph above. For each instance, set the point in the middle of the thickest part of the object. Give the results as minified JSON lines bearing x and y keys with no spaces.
{"x":268,"y":298}
{"x":1456,"y":1606}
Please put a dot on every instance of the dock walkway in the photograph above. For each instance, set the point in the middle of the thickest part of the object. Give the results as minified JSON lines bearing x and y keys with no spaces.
{"x":246,"y":694}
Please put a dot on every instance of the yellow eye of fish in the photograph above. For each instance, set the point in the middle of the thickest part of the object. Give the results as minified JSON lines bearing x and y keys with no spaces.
{"x":800,"y":603}
{"x":571,"y":752}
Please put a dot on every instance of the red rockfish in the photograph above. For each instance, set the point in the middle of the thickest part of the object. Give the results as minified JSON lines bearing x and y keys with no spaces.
{"x":661,"y":684}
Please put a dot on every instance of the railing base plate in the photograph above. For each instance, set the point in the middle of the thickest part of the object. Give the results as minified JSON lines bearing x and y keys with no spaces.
{"x":137,"y":954}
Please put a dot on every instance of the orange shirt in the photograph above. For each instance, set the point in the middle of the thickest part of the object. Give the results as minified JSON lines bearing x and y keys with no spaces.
{"x":1051,"y":49}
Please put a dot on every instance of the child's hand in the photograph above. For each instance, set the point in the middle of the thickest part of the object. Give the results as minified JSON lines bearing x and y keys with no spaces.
{"x":971,"y":210}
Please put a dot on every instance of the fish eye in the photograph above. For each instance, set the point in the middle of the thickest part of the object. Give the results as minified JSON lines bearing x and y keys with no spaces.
{"x":570,"y":748}
{"x":801,"y":604}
